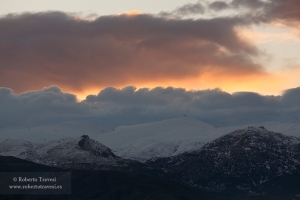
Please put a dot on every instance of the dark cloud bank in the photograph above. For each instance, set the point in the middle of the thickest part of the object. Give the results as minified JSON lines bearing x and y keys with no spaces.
{"x":131,"y":106}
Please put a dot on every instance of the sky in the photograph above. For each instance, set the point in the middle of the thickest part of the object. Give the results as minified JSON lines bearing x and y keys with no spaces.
{"x":88,"y":7}
{"x":92,"y":58}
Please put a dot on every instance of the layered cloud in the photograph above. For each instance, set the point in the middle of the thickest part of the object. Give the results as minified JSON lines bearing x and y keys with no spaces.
{"x":263,"y":10}
{"x":132,"y":106}
{"x":257,"y":11}
{"x":185,"y":10}
{"x":39,"y":49}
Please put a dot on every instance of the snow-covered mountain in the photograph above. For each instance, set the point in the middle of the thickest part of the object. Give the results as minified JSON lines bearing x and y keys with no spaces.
{"x":142,"y":141}
{"x":241,"y":161}
{"x":237,"y":162}
{"x":66,"y":153}
{"x":173,"y":136}
{"x":157,"y":139}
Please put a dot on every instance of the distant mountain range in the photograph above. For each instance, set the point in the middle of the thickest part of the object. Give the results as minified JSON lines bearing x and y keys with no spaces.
{"x":142,"y":141}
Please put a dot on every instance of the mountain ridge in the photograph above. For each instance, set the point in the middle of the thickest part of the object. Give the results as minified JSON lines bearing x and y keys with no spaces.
{"x":63,"y":153}
{"x":237,"y":162}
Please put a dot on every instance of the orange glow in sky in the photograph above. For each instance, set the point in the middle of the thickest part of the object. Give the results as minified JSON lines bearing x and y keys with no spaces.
{"x":131,"y":13}
{"x":265,"y":84}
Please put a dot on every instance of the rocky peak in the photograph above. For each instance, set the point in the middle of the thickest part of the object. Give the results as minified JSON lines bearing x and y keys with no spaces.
{"x":94,"y":147}
{"x":83,"y":141}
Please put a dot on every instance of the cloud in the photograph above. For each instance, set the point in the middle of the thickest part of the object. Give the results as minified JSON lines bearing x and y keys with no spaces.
{"x":142,"y":97}
{"x":130,"y":105}
{"x":253,"y":4}
{"x":34,"y":107}
{"x":39,"y":49}
{"x":265,"y":11}
{"x":213,"y":106}
{"x":218,"y":5}
{"x":189,"y":9}
{"x":291,"y":97}
{"x":284,"y":10}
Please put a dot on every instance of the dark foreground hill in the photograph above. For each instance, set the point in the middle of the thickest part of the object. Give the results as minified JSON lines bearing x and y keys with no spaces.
{"x":110,"y":185}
